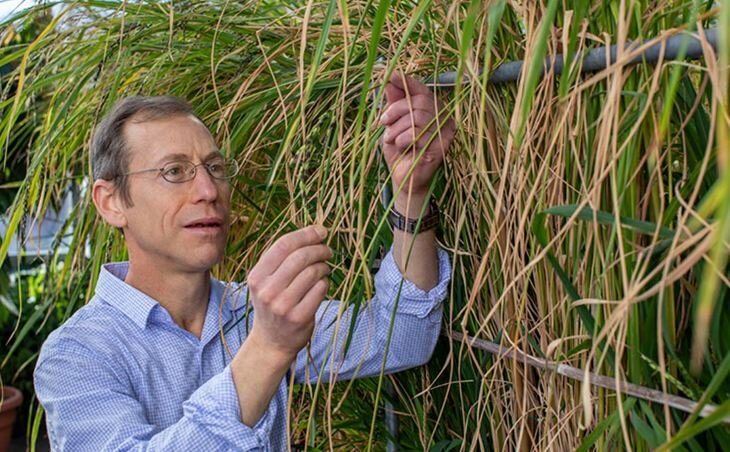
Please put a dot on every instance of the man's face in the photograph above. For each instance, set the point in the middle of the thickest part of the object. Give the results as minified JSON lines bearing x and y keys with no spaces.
{"x":179,"y":227}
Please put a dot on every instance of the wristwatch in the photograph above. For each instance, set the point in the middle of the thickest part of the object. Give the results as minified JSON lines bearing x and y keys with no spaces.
{"x":429,"y":221}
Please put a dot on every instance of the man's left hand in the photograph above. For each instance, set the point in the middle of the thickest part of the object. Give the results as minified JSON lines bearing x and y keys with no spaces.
{"x":417,"y":134}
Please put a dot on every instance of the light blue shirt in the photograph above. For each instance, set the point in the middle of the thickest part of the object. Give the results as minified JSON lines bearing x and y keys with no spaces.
{"x":120,"y":374}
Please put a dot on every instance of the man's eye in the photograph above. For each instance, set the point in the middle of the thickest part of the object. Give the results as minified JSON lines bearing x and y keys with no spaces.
{"x":217,"y":168}
{"x":175,"y":170}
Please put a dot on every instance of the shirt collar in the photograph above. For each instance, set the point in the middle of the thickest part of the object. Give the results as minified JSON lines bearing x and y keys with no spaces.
{"x":139,"y":306}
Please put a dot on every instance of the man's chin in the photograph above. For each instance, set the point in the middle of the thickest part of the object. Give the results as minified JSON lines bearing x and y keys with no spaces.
{"x":208,"y":262}
{"x":203,"y":260}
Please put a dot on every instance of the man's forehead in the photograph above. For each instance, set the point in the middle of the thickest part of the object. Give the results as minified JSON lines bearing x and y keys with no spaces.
{"x":176,"y":134}
{"x":149,"y":120}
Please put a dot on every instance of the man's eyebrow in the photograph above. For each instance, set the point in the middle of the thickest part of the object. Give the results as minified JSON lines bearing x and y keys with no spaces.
{"x":213,"y":154}
{"x":185,"y":157}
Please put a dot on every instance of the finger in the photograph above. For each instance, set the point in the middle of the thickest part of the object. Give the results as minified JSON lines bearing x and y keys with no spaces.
{"x":297,"y":262}
{"x":305,"y":280}
{"x":444,"y":134}
{"x":391,"y":153}
{"x":404,"y":107}
{"x":393,"y":93}
{"x":435,"y":144}
{"x":423,"y":136}
{"x":418,"y":118}
{"x":409,"y":84}
{"x":449,"y":130}
{"x":410,"y":137}
{"x":307,"y":308}
{"x":286,"y":245}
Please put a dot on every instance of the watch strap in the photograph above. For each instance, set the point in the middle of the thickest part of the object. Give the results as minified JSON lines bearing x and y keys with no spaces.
{"x":402,"y":223}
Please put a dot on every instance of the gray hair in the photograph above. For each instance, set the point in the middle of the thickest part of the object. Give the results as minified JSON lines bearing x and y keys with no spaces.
{"x":109,"y":150}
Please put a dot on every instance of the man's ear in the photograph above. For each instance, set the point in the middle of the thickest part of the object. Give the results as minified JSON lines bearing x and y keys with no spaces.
{"x":109,"y":203}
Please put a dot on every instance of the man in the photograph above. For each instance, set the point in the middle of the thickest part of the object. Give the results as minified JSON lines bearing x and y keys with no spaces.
{"x":166,"y":358}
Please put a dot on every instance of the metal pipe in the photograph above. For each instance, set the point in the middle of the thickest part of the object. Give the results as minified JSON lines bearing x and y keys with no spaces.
{"x":391,"y":419}
{"x":596,"y":59}
{"x":574,"y":373}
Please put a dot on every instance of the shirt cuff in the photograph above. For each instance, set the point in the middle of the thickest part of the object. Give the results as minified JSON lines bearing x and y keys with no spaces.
{"x":391,"y":286}
{"x":215,"y":405}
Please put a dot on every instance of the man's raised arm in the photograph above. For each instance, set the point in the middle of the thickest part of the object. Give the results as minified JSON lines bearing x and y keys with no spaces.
{"x":417,"y":135}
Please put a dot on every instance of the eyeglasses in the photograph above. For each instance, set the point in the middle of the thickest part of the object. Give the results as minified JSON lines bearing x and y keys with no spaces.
{"x":183,"y":171}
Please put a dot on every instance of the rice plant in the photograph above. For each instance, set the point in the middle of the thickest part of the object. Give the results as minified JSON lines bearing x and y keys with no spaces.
{"x":585,"y":213}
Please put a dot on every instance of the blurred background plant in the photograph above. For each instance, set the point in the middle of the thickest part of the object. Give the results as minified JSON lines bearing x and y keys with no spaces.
{"x":585,"y":214}
{"x":26,"y":319}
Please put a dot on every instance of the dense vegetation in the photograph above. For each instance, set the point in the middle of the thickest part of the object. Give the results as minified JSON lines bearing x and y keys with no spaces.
{"x":586,"y":214}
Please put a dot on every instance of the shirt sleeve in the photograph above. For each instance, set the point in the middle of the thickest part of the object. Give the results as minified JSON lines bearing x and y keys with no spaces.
{"x":89,"y":408}
{"x":396,"y":330}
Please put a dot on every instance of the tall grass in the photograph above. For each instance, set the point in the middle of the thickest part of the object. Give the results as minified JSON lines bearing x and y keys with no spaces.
{"x":585,"y":214}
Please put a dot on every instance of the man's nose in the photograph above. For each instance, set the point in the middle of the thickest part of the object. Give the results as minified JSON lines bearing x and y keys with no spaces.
{"x":205,"y":187}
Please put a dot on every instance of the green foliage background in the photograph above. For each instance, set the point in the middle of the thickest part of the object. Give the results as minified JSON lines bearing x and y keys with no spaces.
{"x":585,"y":215}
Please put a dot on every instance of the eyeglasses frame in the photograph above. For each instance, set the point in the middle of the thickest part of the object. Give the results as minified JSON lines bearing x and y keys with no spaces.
{"x":194,"y":171}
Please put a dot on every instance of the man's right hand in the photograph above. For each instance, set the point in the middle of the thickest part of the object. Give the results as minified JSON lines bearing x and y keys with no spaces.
{"x":287,"y":286}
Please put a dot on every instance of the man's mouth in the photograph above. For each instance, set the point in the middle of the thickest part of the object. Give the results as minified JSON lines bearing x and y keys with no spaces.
{"x":204,"y":224}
